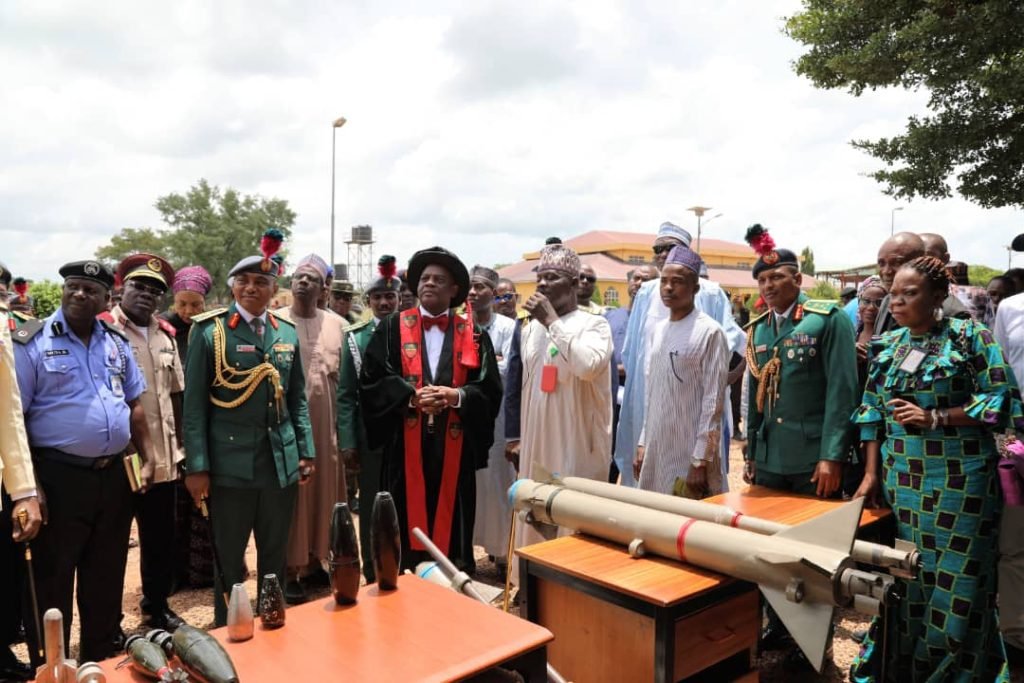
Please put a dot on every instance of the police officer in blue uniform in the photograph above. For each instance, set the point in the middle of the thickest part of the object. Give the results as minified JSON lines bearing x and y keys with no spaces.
{"x":80,"y":391}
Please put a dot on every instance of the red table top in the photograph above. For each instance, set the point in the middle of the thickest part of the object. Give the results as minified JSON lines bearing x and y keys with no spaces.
{"x":420,"y":632}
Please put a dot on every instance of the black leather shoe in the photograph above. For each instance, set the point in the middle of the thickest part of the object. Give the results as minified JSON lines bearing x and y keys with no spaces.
{"x":294,"y":593}
{"x":11,"y":668}
{"x":164,"y":618}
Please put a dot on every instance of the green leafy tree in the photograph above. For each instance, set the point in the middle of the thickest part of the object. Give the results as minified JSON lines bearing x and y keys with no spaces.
{"x":824,"y":291}
{"x":980,"y":275}
{"x":807,"y":261}
{"x":208,"y":226}
{"x":967,"y":54}
{"x":46,"y":296}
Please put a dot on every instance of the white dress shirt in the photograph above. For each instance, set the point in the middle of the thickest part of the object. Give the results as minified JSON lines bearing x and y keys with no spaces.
{"x":1009,"y":331}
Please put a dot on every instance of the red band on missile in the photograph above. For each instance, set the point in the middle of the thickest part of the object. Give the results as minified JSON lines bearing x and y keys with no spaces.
{"x":681,"y":539}
{"x":736,"y":519}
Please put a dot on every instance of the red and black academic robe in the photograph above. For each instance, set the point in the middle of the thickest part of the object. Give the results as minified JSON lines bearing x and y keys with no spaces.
{"x":386,"y":392}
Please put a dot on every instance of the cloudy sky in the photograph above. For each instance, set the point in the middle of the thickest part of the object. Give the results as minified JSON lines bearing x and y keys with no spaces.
{"x":482,"y":126}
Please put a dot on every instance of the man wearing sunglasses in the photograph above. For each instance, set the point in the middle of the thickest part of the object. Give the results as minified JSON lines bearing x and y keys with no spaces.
{"x":648,"y":309}
{"x":585,"y":291}
{"x":145,"y":279}
{"x":341,"y":300}
{"x":505,"y":300}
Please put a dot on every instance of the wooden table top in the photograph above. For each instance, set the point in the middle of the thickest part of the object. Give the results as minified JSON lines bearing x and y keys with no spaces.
{"x":665,"y":582}
{"x":420,"y":632}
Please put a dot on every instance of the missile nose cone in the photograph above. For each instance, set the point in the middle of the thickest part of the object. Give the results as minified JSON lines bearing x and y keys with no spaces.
{"x":240,"y":617}
{"x":385,"y":541}
{"x":272,"y":606}
{"x":203,"y":657}
{"x":343,"y":557}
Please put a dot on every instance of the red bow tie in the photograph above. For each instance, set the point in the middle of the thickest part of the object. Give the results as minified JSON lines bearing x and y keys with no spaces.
{"x":440,"y":322}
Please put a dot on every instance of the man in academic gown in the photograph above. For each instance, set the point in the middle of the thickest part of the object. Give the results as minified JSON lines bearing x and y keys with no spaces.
{"x":431,"y":392}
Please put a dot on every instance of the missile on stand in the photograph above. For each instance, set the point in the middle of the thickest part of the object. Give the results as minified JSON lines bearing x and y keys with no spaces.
{"x":804,"y":571}
{"x":903,"y":560}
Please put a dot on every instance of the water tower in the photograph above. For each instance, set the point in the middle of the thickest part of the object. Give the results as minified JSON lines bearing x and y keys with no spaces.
{"x":360,"y":256}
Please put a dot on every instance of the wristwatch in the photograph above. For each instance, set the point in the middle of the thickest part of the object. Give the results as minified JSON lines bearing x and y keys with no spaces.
{"x":697,"y":462}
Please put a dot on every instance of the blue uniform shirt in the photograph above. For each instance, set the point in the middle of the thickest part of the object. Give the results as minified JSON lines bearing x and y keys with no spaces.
{"x":76,"y":398}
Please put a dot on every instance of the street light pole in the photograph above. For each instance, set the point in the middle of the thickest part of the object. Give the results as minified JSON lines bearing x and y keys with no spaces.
{"x":892,"y":220}
{"x":338,"y":123}
{"x":699,"y":212}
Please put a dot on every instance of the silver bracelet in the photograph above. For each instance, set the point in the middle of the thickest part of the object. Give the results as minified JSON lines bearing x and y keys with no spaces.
{"x":935,"y":419}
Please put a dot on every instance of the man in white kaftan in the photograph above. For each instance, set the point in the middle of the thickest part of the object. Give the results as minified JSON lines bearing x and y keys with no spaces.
{"x":688,"y":363}
{"x":566,"y":412}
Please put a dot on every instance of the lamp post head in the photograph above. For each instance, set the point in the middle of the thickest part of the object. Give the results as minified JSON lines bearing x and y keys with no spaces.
{"x":340,"y":121}
{"x":699,"y":210}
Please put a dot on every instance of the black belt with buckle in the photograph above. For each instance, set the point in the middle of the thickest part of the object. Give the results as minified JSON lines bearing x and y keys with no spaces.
{"x":99,"y":463}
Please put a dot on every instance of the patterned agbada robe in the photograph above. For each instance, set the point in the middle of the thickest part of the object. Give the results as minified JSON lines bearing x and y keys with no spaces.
{"x":320,"y":339}
{"x":942,"y":486}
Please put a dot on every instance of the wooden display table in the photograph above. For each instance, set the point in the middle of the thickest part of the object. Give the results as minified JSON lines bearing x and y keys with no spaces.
{"x":616,"y":618}
{"x":420,"y":632}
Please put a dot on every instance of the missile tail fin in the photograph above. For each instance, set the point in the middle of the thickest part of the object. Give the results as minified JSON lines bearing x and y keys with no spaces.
{"x":835,"y":529}
{"x":809,"y":623}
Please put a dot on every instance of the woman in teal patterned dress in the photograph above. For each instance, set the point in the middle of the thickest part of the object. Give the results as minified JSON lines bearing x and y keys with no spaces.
{"x":937,"y":390}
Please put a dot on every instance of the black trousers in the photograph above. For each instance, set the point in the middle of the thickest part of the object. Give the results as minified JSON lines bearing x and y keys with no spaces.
{"x":12,"y":563}
{"x":155,"y":515}
{"x":86,"y":536}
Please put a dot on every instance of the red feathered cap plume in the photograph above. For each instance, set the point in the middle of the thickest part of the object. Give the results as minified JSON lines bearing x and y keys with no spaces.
{"x":387,"y":266}
{"x":270,"y":244}
{"x":759,"y":239}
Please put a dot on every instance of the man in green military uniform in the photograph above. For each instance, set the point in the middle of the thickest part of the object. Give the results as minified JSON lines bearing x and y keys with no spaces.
{"x":803,"y":381}
{"x":360,"y":459}
{"x":803,"y":390}
{"x":340,"y":302}
{"x":248,"y":439}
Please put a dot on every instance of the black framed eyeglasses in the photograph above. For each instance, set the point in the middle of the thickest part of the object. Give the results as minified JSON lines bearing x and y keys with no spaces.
{"x":877,"y":303}
{"x":662,"y":248}
{"x":588,"y":278}
{"x":148,"y":289}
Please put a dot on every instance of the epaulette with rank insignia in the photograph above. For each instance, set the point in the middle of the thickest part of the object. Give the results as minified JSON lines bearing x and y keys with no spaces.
{"x":113,"y":328}
{"x":167,"y":327}
{"x":821,"y":306}
{"x":357,"y":326}
{"x":273,"y":318}
{"x":753,"y":322}
{"x":209,"y":315}
{"x":23,"y":317}
{"x":27,"y":330}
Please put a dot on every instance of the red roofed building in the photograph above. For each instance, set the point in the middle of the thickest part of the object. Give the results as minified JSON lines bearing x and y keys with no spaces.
{"x":612,"y":254}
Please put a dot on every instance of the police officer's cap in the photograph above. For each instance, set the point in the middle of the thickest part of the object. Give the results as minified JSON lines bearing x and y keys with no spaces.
{"x":88,"y":270}
{"x":5,"y":275}
{"x":148,"y":267}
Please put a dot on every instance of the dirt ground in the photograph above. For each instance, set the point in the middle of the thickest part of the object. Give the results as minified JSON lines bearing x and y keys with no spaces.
{"x":196,"y":607}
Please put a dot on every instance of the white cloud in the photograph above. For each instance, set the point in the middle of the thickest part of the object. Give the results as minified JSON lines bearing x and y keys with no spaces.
{"x":483,"y":127}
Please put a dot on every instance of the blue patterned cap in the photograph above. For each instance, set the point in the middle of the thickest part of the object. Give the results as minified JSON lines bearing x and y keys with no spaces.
{"x":682,"y":256}
{"x":675,"y":232}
